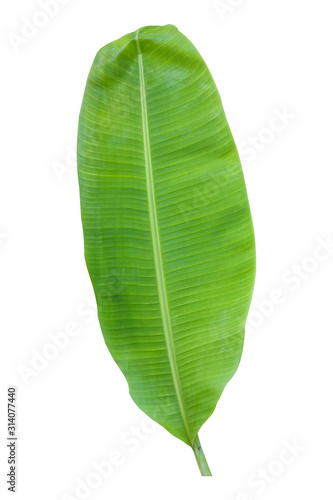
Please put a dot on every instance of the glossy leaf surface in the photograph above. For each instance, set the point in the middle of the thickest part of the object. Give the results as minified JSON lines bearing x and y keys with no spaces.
{"x":168,"y":235}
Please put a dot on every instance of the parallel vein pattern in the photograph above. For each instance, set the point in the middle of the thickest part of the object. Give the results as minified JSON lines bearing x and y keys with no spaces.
{"x":168,"y":234}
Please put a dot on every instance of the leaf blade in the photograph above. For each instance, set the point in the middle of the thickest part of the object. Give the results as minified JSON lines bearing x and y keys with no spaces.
{"x":164,"y":209}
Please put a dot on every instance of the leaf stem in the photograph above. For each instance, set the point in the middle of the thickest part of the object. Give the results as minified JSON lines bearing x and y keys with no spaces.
{"x":200,"y":457}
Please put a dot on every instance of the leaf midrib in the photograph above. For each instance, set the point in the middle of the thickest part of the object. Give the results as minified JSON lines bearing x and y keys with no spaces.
{"x":157,"y":248}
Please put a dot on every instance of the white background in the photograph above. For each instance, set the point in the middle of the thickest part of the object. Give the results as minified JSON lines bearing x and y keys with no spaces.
{"x":267,"y":58}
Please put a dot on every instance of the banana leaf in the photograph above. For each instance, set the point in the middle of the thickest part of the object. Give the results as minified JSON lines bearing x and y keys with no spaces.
{"x":168,"y":234}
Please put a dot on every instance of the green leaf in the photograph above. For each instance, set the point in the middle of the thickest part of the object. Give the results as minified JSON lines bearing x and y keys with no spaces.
{"x":168,"y":235}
